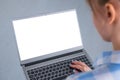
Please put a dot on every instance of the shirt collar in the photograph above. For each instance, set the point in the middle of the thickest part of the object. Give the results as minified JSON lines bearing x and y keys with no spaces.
{"x":108,"y":57}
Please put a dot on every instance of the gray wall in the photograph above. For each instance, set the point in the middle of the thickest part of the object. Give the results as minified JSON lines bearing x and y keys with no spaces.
{"x":17,"y":9}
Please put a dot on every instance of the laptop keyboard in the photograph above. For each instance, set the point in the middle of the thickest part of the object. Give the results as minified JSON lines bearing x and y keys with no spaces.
{"x":56,"y":71}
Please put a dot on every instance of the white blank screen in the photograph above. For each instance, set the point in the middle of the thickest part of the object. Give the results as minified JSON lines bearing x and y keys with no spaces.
{"x":47,"y":34}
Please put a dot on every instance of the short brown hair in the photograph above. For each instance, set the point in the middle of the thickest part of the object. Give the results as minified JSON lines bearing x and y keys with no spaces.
{"x":100,"y":2}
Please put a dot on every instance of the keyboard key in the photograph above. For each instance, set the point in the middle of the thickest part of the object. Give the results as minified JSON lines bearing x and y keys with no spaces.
{"x":56,"y":71}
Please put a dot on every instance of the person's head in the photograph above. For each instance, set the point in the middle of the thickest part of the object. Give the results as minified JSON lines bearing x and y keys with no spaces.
{"x":106,"y":15}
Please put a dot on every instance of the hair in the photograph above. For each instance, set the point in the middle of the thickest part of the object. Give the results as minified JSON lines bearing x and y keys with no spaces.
{"x":102,"y":2}
{"x":99,"y":2}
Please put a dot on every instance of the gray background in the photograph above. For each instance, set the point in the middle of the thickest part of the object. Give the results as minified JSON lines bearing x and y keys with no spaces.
{"x":10,"y":10}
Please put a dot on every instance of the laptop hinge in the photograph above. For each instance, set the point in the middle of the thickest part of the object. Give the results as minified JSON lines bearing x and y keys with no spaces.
{"x":55,"y":57}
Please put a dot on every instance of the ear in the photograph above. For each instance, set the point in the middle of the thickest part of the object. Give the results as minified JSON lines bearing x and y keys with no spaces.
{"x":110,"y":13}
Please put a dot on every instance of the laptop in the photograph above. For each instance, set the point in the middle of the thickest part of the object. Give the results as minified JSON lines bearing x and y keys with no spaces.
{"x":48,"y":44}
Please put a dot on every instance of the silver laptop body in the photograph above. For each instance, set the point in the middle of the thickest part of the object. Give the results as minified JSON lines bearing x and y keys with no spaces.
{"x":59,"y":36}
{"x":45,"y":61}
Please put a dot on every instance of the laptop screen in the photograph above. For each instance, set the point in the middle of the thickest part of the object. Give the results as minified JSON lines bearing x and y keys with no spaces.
{"x":43,"y":35}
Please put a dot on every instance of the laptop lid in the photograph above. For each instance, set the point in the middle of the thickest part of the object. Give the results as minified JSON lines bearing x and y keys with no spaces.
{"x":43,"y":35}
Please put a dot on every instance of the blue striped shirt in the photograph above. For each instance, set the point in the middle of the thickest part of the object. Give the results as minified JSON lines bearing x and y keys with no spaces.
{"x":107,"y":67}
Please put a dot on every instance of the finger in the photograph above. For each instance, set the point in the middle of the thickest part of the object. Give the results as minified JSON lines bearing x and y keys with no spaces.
{"x":78,"y":67}
{"x":81,"y":68}
{"x":79,"y":63}
{"x":87,"y":69}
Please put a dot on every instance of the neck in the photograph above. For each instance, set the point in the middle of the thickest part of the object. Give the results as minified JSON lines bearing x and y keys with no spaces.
{"x":116,"y":46}
{"x":116,"y":38}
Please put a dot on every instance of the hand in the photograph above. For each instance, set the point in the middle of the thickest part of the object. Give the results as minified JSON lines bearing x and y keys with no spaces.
{"x":77,"y":65}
